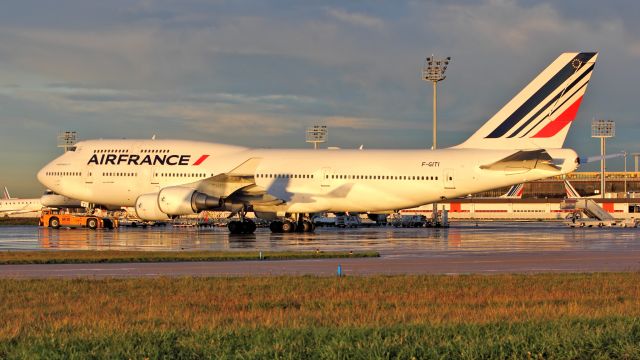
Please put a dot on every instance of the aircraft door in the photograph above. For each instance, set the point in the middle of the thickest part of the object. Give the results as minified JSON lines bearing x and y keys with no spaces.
{"x":88,"y":174}
{"x":155,"y":176}
{"x":325,"y":175}
{"x":448,"y":178}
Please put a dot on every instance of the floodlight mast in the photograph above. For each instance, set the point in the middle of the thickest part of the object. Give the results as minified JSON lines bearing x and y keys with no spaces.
{"x":67,"y":140}
{"x":603,"y":129}
{"x":316,"y":134}
{"x":433,"y":70}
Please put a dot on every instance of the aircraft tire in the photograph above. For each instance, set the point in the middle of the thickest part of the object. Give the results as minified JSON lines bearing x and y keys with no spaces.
{"x":248,"y":227}
{"x":276,"y":226}
{"x":235,"y":227}
{"x":307,"y":226}
{"x":288,"y":226}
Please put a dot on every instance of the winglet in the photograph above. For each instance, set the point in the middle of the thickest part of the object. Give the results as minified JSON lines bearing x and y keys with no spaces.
{"x":6,"y":194}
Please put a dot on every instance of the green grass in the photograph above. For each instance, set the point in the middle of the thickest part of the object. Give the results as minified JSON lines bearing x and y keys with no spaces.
{"x":575,"y":316}
{"x":573,"y":339}
{"x":115,"y":256}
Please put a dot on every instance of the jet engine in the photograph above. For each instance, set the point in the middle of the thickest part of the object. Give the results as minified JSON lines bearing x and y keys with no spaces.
{"x":178,"y":200}
{"x":147,"y":208}
{"x":174,"y":201}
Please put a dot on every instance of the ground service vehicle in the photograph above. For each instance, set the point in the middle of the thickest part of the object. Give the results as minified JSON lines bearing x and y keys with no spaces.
{"x":55,"y":219}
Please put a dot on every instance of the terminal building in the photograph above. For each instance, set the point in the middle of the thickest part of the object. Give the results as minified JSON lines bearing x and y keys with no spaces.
{"x":541,"y":200}
{"x":587,"y":184}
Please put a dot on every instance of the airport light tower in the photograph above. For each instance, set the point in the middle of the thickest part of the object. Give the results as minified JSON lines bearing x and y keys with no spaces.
{"x":317,"y":134}
{"x":67,"y":140}
{"x":433,"y":70}
{"x":625,"y":153}
{"x":636,"y":156}
{"x":603,"y":129}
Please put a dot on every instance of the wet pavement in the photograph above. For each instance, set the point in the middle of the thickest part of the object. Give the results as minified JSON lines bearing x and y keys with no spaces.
{"x":485,"y":247}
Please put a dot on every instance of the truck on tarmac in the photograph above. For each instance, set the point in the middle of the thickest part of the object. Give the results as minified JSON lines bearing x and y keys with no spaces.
{"x":54,"y":218}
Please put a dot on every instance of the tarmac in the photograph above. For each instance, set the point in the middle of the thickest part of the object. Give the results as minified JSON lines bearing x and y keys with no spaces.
{"x":465,"y":248}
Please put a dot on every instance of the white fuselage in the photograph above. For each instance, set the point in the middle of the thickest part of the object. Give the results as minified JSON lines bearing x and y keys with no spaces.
{"x":117,"y":172}
{"x":20,"y":207}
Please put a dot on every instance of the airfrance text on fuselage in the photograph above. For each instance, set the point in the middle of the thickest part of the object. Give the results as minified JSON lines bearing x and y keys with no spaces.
{"x":133,"y":159}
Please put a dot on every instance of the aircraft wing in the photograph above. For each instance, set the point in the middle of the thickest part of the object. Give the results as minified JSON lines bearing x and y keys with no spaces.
{"x":225,"y":184}
{"x":524,"y":160}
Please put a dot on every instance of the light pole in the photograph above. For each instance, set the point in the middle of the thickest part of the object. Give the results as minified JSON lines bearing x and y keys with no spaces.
{"x":433,"y":70}
{"x":603,"y":129}
{"x":316,"y":134}
{"x":635,"y":159}
{"x":67,"y":140}
{"x":625,"y":172}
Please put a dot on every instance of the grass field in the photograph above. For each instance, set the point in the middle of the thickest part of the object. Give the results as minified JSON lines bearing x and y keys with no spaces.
{"x":116,"y":256}
{"x":504,"y":316}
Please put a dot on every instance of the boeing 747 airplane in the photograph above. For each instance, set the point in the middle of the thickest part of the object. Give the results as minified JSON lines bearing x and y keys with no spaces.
{"x":163,"y":179}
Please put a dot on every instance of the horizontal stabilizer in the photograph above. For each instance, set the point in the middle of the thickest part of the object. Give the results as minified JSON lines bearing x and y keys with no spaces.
{"x":524,"y":161}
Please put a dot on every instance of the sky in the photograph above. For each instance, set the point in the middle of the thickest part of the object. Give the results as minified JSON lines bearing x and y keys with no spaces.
{"x":257,"y":73}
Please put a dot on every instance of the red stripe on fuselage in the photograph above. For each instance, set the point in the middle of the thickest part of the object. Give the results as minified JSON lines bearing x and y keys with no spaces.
{"x":560,"y":122}
{"x":200,"y":160}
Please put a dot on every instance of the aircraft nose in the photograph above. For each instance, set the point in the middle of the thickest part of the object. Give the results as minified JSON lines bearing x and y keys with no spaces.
{"x":42,"y":176}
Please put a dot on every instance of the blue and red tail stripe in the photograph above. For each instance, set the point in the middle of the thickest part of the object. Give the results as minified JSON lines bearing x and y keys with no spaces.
{"x":543,"y":93}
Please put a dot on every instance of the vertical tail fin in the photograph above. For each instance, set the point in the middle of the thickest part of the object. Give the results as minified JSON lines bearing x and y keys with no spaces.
{"x":571,"y":192}
{"x":541,"y":114}
{"x":515,"y":192}
{"x":6,"y":195}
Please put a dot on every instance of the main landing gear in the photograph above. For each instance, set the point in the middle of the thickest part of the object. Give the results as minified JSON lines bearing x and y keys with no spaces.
{"x":241,"y":227}
{"x":244,"y":226}
{"x":289,"y":225}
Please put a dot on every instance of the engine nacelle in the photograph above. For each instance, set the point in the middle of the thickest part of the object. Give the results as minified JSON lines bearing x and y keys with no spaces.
{"x":147,"y":208}
{"x":173,"y":201}
{"x":178,"y":200}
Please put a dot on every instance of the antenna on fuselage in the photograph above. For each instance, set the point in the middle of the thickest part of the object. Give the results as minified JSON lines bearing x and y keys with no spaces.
{"x":153,"y":137}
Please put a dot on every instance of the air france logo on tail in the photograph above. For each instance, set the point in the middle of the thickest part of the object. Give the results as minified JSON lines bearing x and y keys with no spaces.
{"x":553,"y":106}
{"x":541,"y":114}
{"x":133,"y":159}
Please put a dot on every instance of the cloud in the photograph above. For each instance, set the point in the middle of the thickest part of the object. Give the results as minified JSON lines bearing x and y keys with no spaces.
{"x":356,"y":19}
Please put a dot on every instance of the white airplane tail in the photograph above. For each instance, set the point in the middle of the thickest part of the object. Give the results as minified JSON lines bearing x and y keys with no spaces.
{"x":6,"y":195}
{"x":515,"y":192}
{"x":570,"y":191}
{"x":540,"y":115}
